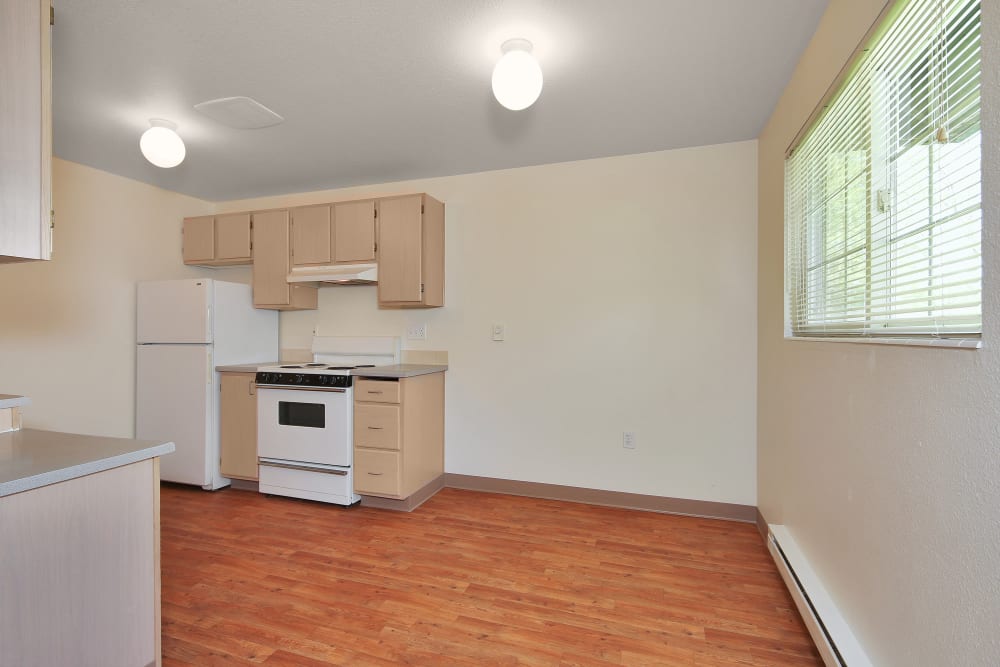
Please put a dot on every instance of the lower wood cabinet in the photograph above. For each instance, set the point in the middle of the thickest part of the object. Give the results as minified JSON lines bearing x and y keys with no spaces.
{"x":398,"y":434}
{"x":238,"y":425}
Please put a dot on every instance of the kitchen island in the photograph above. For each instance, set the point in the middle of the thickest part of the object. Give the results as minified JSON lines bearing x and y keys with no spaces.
{"x":79,"y":549}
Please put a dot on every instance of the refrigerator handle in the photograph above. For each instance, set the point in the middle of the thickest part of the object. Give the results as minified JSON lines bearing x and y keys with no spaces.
{"x":208,"y":375}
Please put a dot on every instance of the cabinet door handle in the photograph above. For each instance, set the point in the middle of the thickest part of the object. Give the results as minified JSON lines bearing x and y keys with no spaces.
{"x":375,"y":474}
{"x":376,"y":428}
{"x":374,"y":392}
{"x":251,"y":388}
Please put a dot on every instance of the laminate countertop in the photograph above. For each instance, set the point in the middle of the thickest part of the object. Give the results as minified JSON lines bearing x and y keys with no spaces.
{"x":391,"y":371}
{"x":13,"y":401}
{"x":246,"y":368}
{"x":30,"y":458}
{"x":399,"y":370}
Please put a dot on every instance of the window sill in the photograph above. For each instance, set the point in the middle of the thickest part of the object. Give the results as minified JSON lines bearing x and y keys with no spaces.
{"x":953,"y":343}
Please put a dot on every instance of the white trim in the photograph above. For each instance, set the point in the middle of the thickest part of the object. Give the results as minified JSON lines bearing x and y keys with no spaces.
{"x":953,"y":343}
{"x":834,"y":639}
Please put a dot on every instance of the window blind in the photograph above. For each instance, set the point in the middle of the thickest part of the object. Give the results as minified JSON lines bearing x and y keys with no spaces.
{"x":883,"y":216}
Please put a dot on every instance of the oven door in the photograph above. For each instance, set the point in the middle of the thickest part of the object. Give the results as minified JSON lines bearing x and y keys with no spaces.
{"x":305,"y":425}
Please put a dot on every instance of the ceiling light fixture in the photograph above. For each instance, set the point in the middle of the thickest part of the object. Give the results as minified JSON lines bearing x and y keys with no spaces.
{"x":517,"y":77}
{"x":161,"y":144}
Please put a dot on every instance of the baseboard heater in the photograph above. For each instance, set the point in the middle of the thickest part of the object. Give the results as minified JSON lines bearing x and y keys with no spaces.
{"x":833,"y":637}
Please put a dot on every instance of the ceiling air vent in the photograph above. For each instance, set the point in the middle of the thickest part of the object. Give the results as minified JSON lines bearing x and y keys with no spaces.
{"x":243,"y":113}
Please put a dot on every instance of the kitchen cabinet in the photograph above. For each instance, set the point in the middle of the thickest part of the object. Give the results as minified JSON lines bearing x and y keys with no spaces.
{"x":410,"y":252}
{"x":311,"y":235}
{"x":398,"y":434}
{"x":238,"y":425}
{"x":342,"y":233}
{"x":219,"y":240}
{"x":271,"y":262}
{"x":25,"y":131}
{"x":354,"y":232}
{"x":80,"y":566}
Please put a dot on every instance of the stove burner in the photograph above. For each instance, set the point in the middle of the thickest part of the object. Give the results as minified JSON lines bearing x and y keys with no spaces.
{"x":347,"y":368}
{"x":314,"y":364}
{"x":295,"y":366}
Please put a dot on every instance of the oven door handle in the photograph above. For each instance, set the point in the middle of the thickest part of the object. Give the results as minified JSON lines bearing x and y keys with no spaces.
{"x":292,"y":466}
{"x":336,"y":390}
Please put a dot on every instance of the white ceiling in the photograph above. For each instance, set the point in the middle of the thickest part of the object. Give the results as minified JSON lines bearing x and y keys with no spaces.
{"x":375,"y":91}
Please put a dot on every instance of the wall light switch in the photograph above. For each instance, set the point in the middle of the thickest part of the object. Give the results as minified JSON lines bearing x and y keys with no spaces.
{"x":498,"y":332}
{"x":628,"y":439}
{"x":416,"y":332}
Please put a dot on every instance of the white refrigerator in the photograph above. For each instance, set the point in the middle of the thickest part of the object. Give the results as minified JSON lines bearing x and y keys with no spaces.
{"x":185,"y":328}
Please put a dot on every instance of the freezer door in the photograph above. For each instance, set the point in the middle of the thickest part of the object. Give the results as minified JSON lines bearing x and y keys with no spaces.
{"x":174,"y":311}
{"x":174,"y":390}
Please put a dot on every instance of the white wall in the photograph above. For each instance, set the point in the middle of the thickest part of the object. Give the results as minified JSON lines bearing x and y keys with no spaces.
{"x":883,"y":461}
{"x":67,"y":326}
{"x":627,"y":287}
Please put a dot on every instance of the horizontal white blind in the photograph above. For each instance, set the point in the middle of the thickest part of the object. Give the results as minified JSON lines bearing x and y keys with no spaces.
{"x":883,"y":215}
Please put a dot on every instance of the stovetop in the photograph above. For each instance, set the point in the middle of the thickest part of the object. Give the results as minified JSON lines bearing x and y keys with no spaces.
{"x":319,"y":368}
{"x":309,"y":375}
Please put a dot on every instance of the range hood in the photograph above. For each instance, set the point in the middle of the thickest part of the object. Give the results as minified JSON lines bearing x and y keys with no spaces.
{"x":335,"y":274}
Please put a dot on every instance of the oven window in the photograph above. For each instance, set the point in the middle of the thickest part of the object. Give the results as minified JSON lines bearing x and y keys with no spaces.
{"x":311,"y":415}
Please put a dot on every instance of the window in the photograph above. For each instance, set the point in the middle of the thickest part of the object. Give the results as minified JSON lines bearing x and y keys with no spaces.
{"x":883,"y":215}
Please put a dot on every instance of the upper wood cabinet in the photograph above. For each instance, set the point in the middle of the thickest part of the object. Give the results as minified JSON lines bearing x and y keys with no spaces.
{"x":311,"y":235}
{"x":410,"y":252}
{"x":221,"y":240}
{"x":354,"y":232}
{"x":272,"y":259}
{"x":25,"y":131}
{"x":341,"y":233}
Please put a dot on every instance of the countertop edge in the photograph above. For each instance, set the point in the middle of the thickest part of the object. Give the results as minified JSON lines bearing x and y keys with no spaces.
{"x":82,"y":469}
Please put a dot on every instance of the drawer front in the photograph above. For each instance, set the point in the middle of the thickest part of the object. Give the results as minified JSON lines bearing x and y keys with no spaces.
{"x":377,"y":392}
{"x":376,"y":426}
{"x":306,"y":484}
{"x":376,"y":472}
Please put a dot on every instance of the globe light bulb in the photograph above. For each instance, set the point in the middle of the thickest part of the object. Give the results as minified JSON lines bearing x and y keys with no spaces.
{"x":161,"y":145}
{"x":517,"y":77}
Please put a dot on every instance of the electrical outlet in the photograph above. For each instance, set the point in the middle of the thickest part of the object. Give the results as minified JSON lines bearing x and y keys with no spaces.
{"x":498,"y":332}
{"x":416,"y":332}
{"x":628,"y":439}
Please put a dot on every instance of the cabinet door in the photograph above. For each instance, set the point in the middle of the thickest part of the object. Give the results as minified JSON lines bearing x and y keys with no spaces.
{"x":199,"y":239}
{"x":25,"y":130}
{"x":310,"y":235}
{"x":271,"y":259}
{"x":238,"y":425}
{"x":399,"y":249}
{"x":232,"y":237}
{"x":354,"y":232}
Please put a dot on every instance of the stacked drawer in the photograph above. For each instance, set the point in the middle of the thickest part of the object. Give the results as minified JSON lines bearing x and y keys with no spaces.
{"x":377,"y":437}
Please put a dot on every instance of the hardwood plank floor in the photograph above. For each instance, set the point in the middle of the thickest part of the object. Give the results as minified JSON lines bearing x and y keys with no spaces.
{"x":467,"y":579}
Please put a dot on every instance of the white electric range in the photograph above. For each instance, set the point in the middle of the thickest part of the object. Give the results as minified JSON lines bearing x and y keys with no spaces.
{"x":305,"y":419}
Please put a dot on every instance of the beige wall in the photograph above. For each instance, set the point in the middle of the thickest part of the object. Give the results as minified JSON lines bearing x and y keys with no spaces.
{"x":627,"y":287}
{"x":883,"y":461}
{"x":67,"y":326}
